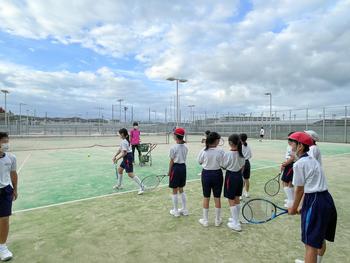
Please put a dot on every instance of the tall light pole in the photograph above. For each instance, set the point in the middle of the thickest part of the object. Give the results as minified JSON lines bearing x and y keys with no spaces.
{"x":113,"y":112}
{"x":125,"y":109}
{"x":270,"y":94}
{"x":5,"y":92}
{"x":120,"y":109}
{"x":191,"y":113}
{"x":177,"y":96}
{"x":20,"y":116}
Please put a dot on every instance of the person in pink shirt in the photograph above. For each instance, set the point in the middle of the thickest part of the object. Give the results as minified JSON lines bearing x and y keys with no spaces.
{"x":135,"y":140}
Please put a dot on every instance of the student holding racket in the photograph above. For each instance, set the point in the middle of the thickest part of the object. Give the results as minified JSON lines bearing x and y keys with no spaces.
{"x":125,"y":153}
{"x":287,"y":174}
{"x":247,"y":152}
{"x":318,"y":213}
{"x":233,"y":162}
{"x":177,"y":172}
{"x":210,"y":158}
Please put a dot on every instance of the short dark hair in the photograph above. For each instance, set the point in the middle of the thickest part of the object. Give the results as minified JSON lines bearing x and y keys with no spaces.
{"x":207,"y":132}
{"x":3,"y":135}
{"x":135,"y":124}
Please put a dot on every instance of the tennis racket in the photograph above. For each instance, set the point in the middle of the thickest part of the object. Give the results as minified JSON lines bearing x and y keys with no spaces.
{"x":259,"y":211}
{"x":272,"y":186}
{"x":151,"y":182}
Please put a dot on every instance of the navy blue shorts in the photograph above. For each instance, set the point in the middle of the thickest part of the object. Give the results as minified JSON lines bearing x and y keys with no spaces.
{"x":287,"y":175}
{"x":318,"y":219}
{"x":246,"y":172}
{"x":6,"y":198}
{"x":233,"y":184}
{"x":127,"y":163}
{"x":177,"y":176}
{"x":212,"y":180}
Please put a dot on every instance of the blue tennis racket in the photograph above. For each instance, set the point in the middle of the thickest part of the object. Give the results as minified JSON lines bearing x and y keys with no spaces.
{"x":259,"y":211}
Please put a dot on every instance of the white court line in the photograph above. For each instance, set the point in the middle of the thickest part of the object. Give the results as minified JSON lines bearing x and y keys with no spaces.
{"x":25,"y":160}
{"x":107,"y":195}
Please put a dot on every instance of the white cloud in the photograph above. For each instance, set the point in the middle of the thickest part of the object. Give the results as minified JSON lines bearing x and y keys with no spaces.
{"x":291,"y":48}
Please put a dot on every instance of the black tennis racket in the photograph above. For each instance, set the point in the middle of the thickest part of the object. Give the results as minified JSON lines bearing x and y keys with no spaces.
{"x":272,"y":186}
{"x":259,"y":211}
{"x":151,"y":182}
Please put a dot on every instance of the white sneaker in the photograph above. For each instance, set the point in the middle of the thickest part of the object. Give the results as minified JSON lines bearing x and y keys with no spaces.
{"x":174,"y":213}
{"x":117,"y":187}
{"x":203,"y":222}
{"x":230,"y":219}
{"x":5,"y":254}
{"x":299,"y":261}
{"x":140,"y":192}
{"x":246,"y":194}
{"x":218,"y":222}
{"x":236,"y":227}
{"x":240,"y":198}
{"x":183,"y":212}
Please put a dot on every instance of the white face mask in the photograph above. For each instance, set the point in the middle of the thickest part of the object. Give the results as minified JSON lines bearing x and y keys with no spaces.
{"x":5,"y":147}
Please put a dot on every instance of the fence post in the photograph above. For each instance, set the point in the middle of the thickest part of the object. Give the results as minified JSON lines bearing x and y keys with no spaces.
{"x":323,"y":124}
{"x":345,"y":125}
{"x":275,"y":125}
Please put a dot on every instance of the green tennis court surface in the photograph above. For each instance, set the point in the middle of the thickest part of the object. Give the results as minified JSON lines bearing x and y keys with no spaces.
{"x":131,"y":228}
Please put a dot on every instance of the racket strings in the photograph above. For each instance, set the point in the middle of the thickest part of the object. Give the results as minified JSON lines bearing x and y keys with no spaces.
{"x":259,"y":211}
{"x":272,"y":187}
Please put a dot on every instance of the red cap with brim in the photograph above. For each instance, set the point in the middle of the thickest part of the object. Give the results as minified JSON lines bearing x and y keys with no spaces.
{"x":302,"y":137}
{"x":180,"y":131}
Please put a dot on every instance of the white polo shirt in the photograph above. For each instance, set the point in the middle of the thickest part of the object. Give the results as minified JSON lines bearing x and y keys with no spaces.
{"x":8,"y":164}
{"x":262,"y":132}
{"x":247,"y":152}
{"x":232,"y":161}
{"x":125,"y":146}
{"x":309,"y":173}
{"x":178,"y":153}
{"x":315,"y":153}
{"x":211,"y":159}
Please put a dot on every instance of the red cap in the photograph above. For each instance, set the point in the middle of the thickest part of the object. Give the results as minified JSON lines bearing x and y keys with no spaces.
{"x":302,"y":137}
{"x":180,"y":131}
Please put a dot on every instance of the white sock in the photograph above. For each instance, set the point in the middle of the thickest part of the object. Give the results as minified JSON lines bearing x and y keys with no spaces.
{"x":206,"y":214}
{"x":217,"y":214}
{"x":175,"y":201}
{"x":137,"y":180}
{"x":233,"y":214}
{"x":319,"y":259}
{"x":291,"y":193}
{"x":238,"y":209}
{"x":2,"y":246}
{"x":286,"y":190}
{"x":183,"y":199}
{"x":120,"y":179}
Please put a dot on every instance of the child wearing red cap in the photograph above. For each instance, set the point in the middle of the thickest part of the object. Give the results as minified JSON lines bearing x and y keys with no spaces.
{"x":318,"y":213}
{"x":177,"y":172}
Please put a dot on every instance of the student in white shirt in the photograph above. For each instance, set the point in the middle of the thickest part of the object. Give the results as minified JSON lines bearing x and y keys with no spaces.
{"x":247,"y":152}
{"x":210,"y":158}
{"x":125,"y":153}
{"x":177,"y":172}
{"x":234,"y":162}
{"x":318,"y":213}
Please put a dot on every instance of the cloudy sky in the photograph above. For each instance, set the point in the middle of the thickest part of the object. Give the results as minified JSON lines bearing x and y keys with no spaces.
{"x":68,"y":58}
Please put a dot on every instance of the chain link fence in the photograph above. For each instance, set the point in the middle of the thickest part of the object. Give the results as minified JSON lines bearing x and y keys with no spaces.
{"x":331,"y":123}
